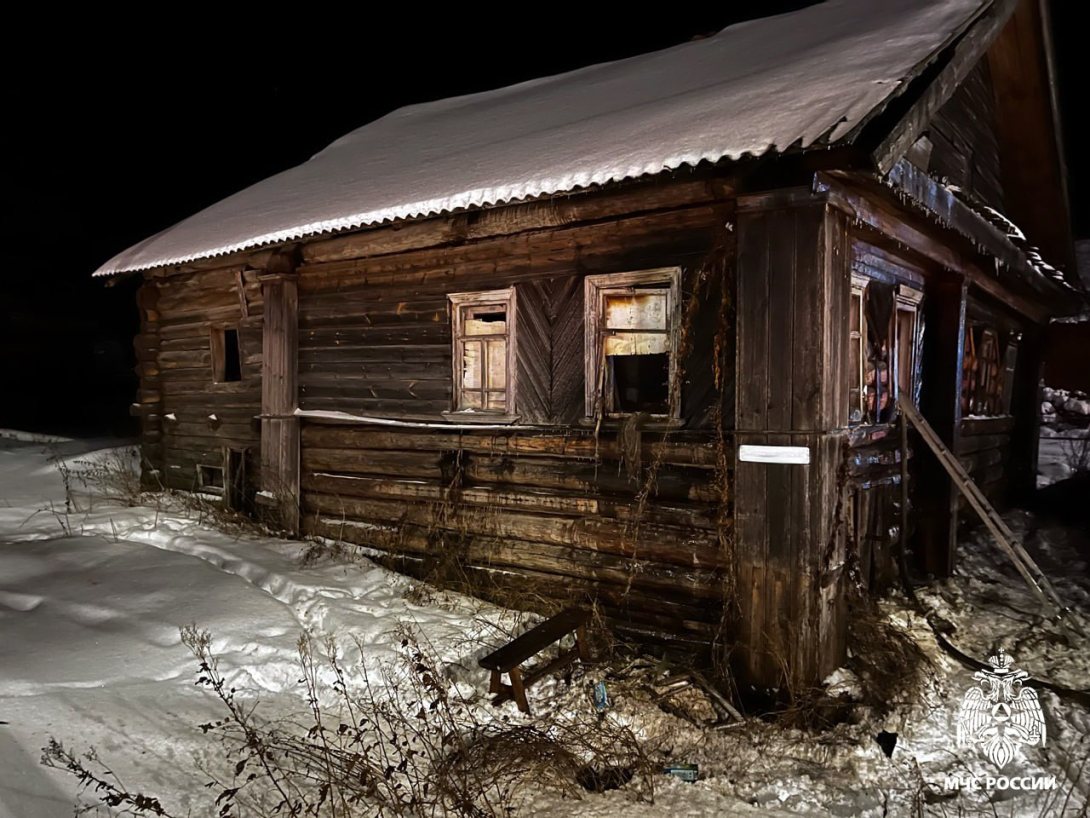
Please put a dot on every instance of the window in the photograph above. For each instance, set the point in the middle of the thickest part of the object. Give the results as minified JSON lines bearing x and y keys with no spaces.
{"x":226,"y":355}
{"x":631,"y":343}
{"x":483,"y":333}
{"x":883,"y":350}
{"x":210,"y":479}
{"x":987,"y":383}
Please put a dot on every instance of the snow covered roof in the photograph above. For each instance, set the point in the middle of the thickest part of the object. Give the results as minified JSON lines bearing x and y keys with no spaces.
{"x":807,"y":78}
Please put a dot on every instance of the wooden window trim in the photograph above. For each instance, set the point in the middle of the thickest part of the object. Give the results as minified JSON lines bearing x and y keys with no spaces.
{"x":907,"y":298}
{"x":211,"y":488}
{"x":595,"y":289}
{"x":459,"y":301}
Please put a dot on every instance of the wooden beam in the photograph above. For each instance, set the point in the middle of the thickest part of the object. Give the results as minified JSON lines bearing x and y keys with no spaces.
{"x":945,"y":304}
{"x":965,"y":54}
{"x":1024,"y":290}
{"x":279,"y":395}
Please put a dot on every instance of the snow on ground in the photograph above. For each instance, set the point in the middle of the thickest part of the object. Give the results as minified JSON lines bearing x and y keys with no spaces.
{"x":1059,"y":447}
{"x":92,"y":597}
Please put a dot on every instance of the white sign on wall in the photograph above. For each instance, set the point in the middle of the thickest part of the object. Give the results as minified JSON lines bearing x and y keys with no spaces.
{"x":797,"y":455}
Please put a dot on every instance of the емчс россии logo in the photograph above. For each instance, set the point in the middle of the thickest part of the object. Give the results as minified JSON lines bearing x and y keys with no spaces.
{"x":1000,"y":714}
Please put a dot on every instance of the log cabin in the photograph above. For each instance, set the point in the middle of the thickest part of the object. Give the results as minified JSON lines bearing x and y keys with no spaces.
{"x":634,"y":334}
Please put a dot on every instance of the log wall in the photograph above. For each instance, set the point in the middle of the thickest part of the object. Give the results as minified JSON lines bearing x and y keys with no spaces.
{"x":963,"y":132}
{"x":551,"y":510}
{"x":984,"y":449}
{"x":187,"y":418}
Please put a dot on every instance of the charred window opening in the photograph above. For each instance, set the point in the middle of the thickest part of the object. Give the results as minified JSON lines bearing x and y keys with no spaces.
{"x":640,"y":383}
{"x":226,"y":355}
{"x":631,"y":343}
{"x":483,"y":337}
{"x":883,"y":349}
{"x":987,"y":373}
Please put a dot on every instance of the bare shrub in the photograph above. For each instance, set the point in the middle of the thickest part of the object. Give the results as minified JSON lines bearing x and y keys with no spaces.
{"x":112,"y":475}
{"x":407,"y":744}
{"x":1076,"y":452}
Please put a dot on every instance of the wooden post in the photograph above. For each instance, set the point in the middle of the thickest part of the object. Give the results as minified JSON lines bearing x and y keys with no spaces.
{"x":792,"y":330}
{"x":945,"y":303}
{"x":518,"y":689}
{"x":150,"y":397}
{"x":1026,"y":409}
{"x":279,"y":394}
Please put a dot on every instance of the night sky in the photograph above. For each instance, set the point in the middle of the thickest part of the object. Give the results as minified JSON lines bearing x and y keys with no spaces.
{"x":111,"y":140}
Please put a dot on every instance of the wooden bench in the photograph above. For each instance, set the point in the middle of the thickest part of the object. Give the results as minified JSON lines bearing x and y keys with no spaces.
{"x":510,"y":657}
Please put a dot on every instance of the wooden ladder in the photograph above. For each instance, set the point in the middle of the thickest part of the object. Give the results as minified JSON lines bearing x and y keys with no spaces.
{"x":1004,"y":537}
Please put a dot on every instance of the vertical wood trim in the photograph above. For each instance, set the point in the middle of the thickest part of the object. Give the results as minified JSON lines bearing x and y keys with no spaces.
{"x":789,"y":549}
{"x":150,"y":394}
{"x":1025,"y":407}
{"x":945,"y":303}
{"x":279,"y":396}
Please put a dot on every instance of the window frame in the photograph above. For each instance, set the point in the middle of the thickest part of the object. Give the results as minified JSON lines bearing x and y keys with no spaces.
{"x":217,"y":344}
{"x":596,"y":289}
{"x":206,"y":487}
{"x":907,"y":299}
{"x":483,"y":298}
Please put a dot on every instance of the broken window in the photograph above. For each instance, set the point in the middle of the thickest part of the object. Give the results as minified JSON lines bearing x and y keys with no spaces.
{"x":210,"y":479}
{"x":483,"y":337}
{"x":632,"y":343}
{"x":987,"y":376}
{"x":883,"y":338}
{"x":226,"y":355}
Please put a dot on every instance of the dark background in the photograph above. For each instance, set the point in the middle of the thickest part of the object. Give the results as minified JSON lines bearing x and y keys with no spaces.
{"x":118,"y":129}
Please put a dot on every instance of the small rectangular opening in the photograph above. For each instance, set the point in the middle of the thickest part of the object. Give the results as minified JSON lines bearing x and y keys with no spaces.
{"x":640,"y":383}
{"x":210,"y":478}
{"x":226,"y":355}
{"x":232,"y":361}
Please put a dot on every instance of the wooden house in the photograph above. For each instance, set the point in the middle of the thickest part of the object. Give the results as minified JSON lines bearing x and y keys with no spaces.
{"x":635,"y":334}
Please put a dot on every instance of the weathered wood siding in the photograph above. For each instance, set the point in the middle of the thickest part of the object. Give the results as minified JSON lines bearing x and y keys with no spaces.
{"x":984,"y":449}
{"x":188,"y":419}
{"x":793,"y":261}
{"x":549,"y":510}
{"x":966,"y":147}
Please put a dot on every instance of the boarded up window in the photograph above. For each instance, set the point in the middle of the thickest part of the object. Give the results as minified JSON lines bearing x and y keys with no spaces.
{"x":226,"y":355}
{"x":631,"y":343}
{"x":483,"y":337}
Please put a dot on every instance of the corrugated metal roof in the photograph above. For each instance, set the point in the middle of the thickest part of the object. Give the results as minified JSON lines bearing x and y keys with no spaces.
{"x":797,"y":79}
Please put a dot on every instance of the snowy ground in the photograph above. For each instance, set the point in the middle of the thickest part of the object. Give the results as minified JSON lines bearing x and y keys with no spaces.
{"x":92,"y":598}
{"x":1059,"y":445}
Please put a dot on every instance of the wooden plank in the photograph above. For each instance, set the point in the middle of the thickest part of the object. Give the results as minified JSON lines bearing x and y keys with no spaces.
{"x":280,"y":441}
{"x":534,"y":352}
{"x":945,"y":304}
{"x":489,"y":223}
{"x":654,"y":543}
{"x":969,"y":48}
{"x":535,"y":640}
{"x":580,"y":444}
